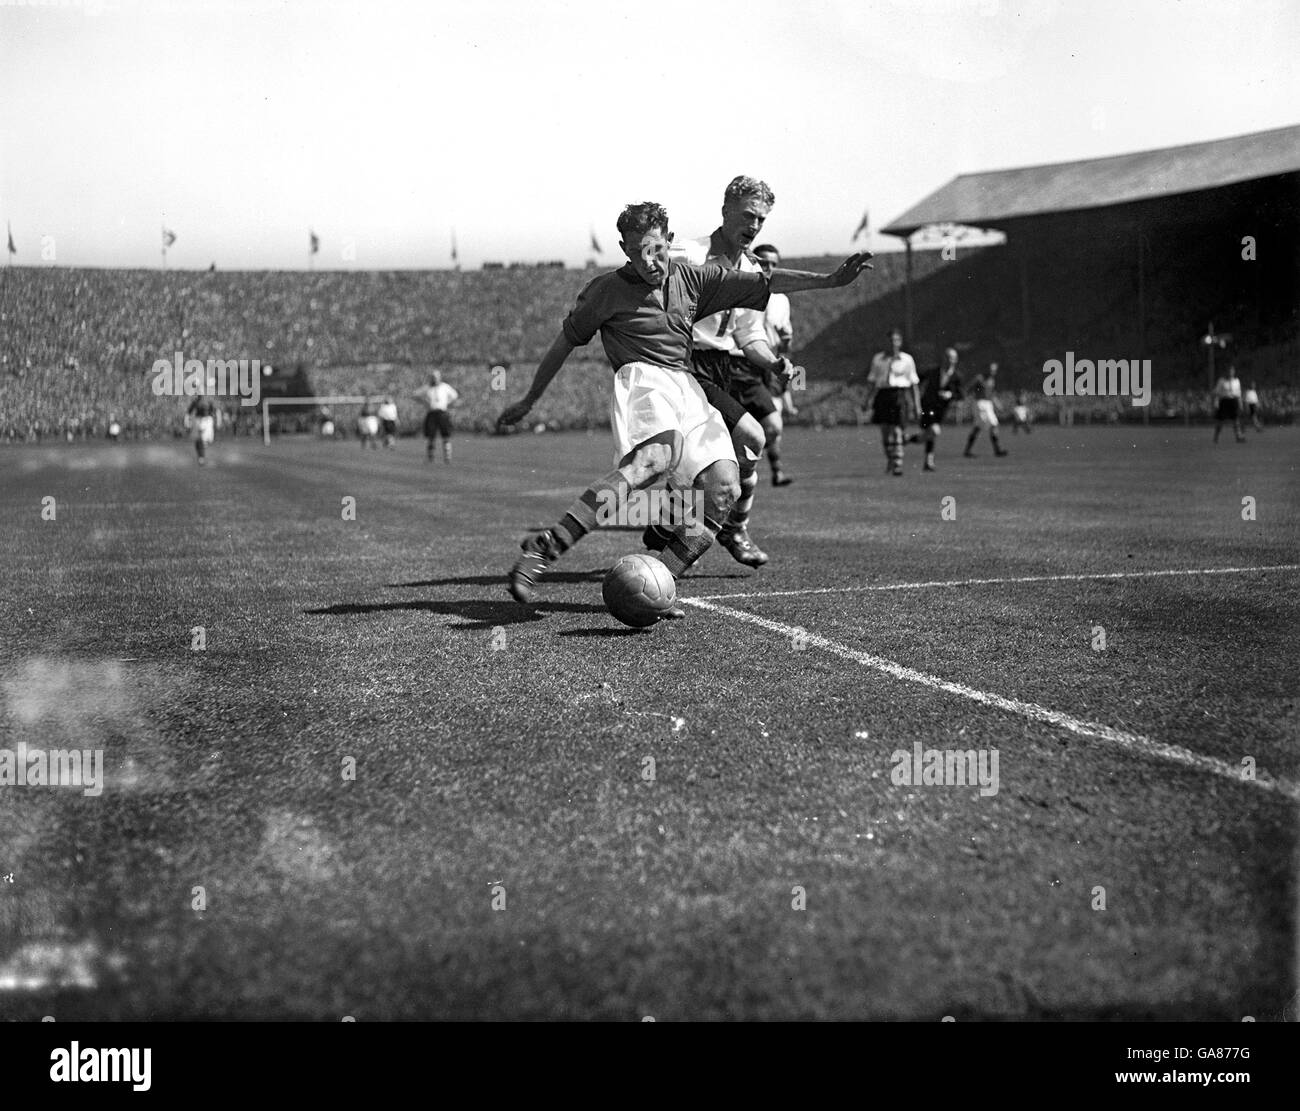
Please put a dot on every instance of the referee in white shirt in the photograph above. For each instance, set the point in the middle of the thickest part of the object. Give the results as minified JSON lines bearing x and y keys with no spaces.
{"x":1227,"y":395}
{"x":438,"y":398}
{"x":892,"y":375}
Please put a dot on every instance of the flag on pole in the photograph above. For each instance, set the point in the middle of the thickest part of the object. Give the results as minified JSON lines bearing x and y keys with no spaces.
{"x":12,"y":249}
{"x":168,"y":237}
{"x":315,"y":242}
{"x":595,"y":243}
{"x":862,"y":228}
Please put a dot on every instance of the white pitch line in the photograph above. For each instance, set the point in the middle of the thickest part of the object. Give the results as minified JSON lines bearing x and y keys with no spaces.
{"x":998,"y":582}
{"x":1133,"y":742}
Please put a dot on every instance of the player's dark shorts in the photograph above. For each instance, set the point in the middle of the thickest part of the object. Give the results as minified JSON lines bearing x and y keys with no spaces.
{"x":737,"y":378}
{"x":390,"y":427}
{"x":733,"y":412}
{"x":437,"y":422}
{"x":1229,"y":407}
{"x":749,"y":387}
{"x":887,"y":407}
{"x":933,"y":416}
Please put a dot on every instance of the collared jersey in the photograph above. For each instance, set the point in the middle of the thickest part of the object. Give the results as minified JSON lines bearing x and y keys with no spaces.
{"x":893,"y":371}
{"x":731,"y":330}
{"x":639,"y":323}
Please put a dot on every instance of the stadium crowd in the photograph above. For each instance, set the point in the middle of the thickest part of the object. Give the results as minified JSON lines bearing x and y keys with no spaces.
{"x":77,"y":347}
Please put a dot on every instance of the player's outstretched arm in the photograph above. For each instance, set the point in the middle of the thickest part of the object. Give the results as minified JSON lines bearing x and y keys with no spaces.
{"x":547,"y":369}
{"x":795,"y":281}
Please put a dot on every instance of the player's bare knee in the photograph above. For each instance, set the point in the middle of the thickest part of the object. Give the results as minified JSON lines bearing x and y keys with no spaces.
{"x":720,"y":485}
{"x":772,"y":426}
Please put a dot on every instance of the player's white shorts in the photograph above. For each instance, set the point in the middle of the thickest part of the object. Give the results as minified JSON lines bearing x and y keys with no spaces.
{"x":648,"y":400}
{"x":1022,"y":413}
{"x":368,"y":425}
{"x":985,"y":415}
{"x":205,"y":429}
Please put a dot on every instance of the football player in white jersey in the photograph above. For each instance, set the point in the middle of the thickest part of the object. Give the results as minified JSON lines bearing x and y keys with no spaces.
{"x":438,"y":398}
{"x":733,"y":360}
{"x":780,"y":334}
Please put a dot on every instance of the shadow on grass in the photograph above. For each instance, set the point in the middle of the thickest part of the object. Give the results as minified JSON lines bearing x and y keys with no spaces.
{"x":478,"y":614}
{"x":593,"y":576}
{"x":619,"y":631}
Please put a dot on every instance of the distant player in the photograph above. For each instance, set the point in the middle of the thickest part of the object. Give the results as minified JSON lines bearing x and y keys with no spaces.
{"x":780,"y":336}
{"x":368,"y":425}
{"x":731,"y":357}
{"x":663,"y":424}
{"x":1021,"y":415}
{"x":387,"y":412}
{"x":202,"y":416}
{"x":438,"y":398}
{"x":891,"y":380}
{"x":1251,"y":400}
{"x":986,"y":412}
{"x":1227,"y":395}
{"x":942,"y":387}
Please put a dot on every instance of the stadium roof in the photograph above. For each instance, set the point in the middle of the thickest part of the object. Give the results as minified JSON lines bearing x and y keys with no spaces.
{"x":990,"y":200}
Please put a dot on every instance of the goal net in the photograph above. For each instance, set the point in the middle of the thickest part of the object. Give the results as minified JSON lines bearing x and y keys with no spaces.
{"x":331,"y":417}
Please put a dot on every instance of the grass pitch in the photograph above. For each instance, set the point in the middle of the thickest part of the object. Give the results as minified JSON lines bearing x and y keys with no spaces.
{"x":347,"y":775}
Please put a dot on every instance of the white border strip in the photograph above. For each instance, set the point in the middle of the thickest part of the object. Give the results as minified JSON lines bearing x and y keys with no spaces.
{"x":1132,"y":742}
{"x":997,"y":582}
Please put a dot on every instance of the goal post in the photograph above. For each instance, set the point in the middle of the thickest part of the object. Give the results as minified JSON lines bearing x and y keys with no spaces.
{"x":315,"y":401}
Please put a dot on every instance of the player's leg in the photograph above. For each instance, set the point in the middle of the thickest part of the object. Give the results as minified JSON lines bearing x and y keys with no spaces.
{"x":749,"y":388}
{"x":931,"y":430}
{"x":747,"y":439}
{"x":719,"y":483}
{"x":648,"y":462}
{"x":743,"y":404}
{"x":773,"y":426}
{"x":894,"y":448}
{"x":707,"y":465}
{"x":645,"y":411}
{"x":445,"y":427}
{"x":991,"y":419}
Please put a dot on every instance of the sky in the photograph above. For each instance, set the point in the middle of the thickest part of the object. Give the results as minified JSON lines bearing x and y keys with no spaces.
{"x":521,"y":127}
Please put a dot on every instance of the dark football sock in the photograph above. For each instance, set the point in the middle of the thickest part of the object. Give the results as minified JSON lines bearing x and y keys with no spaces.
{"x":688,"y":544}
{"x":738,"y":518}
{"x":894,"y":445}
{"x":580,"y":518}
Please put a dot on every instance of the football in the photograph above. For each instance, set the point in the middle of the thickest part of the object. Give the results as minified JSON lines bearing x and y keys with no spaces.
{"x":638,"y":589}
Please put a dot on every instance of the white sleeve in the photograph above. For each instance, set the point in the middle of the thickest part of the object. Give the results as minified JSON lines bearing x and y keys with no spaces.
{"x":747,"y":327}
